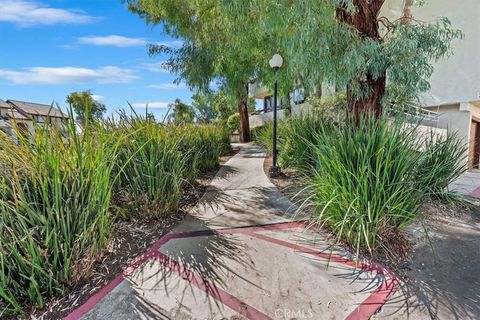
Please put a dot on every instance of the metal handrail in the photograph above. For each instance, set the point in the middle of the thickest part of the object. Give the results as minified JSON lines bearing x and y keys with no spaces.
{"x":415,"y":112}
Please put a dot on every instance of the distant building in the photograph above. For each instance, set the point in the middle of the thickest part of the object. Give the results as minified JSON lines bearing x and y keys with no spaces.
{"x":25,"y":114}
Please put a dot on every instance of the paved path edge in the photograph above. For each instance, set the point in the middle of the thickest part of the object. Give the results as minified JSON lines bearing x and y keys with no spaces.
{"x":363,"y":311}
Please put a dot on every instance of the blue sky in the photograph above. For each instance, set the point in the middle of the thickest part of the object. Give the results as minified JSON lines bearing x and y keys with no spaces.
{"x":49,"y":48}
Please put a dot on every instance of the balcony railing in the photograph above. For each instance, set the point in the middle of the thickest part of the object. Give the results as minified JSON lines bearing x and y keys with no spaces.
{"x":415,"y":113}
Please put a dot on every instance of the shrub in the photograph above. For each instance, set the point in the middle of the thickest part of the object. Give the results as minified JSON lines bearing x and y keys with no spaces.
{"x":56,"y":188}
{"x":233,"y":122}
{"x":363,"y":183}
{"x":203,"y":145}
{"x":296,"y":133}
{"x":55,"y":194}
{"x":296,"y":141}
{"x":264,"y":136}
{"x":329,"y":109}
{"x":442,"y":162}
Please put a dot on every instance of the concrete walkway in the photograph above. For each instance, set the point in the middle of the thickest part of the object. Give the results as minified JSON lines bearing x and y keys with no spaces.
{"x":240,"y":254}
{"x":468,"y":184}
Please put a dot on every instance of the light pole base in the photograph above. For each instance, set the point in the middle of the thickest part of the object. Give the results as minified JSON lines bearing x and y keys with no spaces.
{"x":274,"y":172}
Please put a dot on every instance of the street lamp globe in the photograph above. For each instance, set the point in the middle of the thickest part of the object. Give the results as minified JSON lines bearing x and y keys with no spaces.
{"x":276,"y":62}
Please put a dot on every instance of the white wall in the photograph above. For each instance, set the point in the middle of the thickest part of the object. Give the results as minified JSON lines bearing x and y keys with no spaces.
{"x":457,"y":78}
{"x":258,"y":120}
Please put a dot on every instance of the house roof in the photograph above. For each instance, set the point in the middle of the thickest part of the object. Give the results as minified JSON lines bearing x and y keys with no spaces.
{"x":4,"y":105}
{"x":14,"y":114}
{"x":36,"y":109}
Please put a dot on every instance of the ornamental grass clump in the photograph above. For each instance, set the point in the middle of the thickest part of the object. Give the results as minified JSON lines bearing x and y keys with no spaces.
{"x":155,"y":160}
{"x":203,"y":145}
{"x":150,"y":167}
{"x":296,"y":141}
{"x":363,"y":185}
{"x":442,"y":162}
{"x":55,"y":193}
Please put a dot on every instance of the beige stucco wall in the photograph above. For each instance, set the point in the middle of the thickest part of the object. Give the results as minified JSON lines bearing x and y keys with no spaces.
{"x":457,"y":78}
{"x":457,"y":118}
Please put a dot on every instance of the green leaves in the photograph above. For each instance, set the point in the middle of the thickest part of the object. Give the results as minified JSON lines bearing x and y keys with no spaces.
{"x":85,"y":107}
{"x":410,"y":50}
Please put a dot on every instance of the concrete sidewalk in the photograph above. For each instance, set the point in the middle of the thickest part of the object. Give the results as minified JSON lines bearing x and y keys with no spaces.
{"x":467,"y":184}
{"x":242,"y":254}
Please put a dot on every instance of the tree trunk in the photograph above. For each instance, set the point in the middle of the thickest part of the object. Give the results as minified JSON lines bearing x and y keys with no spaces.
{"x":365,"y":20}
{"x":371,"y":104}
{"x":243,"y":112}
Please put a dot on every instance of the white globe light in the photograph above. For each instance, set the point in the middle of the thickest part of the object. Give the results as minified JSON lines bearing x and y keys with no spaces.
{"x":276,"y":61}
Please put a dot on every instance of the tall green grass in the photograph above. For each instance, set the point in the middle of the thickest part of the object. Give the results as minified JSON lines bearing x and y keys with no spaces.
{"x":363,"y":183}
{"x":55,"y":193}
{"x":151,"y":168}
{"x":297,"y":150}
{"x":370,"y":179}
{"x":264,"y":135}
{"x":56,"y":190}
{"x":155,"y":161}
{"x":203,"y":145}
{"x":443,"y":160}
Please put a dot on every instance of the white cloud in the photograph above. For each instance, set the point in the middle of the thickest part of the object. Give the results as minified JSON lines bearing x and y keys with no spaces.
{"x":167,"y":86}
{"x":112,"y":40}
{"x":155,"y":67}
{"x":151,"y":105}
{"x":66,"y":75}
{"x":170,"y":44}
{"x":27,"y":13}
{"x":98,"y":98}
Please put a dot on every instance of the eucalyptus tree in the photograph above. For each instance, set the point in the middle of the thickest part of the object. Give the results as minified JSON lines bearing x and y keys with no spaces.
{"x":349,"y":43}
{"x":215,"y":47}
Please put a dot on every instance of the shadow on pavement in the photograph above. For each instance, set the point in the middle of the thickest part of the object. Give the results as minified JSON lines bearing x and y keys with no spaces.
{"x":188,"y":263}
{"x":443,"y":283}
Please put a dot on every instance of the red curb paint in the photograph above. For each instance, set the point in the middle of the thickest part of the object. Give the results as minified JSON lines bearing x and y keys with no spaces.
{"x":363,"y":312}
{"x":476,"y":193}
{"x":211,"y":289}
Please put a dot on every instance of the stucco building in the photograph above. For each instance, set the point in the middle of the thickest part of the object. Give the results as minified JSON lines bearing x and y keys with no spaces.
{"x":455,"y":83}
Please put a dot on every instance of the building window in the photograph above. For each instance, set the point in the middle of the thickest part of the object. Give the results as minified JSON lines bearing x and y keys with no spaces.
{"x":268,"y":103}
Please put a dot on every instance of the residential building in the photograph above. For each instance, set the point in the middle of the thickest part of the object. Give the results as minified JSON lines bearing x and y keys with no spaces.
{"x":24,"y":114}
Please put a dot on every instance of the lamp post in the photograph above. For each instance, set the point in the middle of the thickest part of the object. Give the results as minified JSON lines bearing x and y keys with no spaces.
{"x":276,"y":62}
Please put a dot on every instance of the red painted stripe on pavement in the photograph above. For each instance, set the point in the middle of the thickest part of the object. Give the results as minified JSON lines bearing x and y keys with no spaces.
{"x":211,"y":289}
{"x":373,"y":302}
{"x":327,"y":256}
{"x":476,"y":193}
{"x":225,"y":297}
{"x":99,"y":295}
{"x":151,"y":253}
